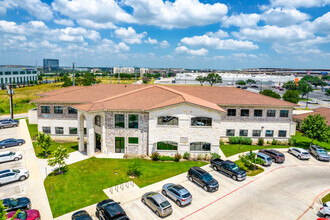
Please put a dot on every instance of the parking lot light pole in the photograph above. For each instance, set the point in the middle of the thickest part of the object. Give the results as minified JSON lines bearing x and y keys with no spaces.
{"x":10,"y":92}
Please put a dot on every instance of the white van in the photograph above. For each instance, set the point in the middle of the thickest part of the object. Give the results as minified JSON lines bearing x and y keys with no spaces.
{"x":10,"y":156}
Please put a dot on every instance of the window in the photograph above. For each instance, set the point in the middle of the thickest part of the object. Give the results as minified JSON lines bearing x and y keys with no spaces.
{"x":58,"y":130}
{"x":34,"y":72}
{"x":167,"y":145}
{"x":167,"y":120}
{"x":256,"y":133}
{"x":284,"y":113}
{"x":270,"y":113}
{"x":201,"y":121}
{"x":58,"y":109}
{"x":133,"y":121}
{"x":258,"y":113}
{"x":282,"y":133}
{"x":85,"y":130}
{"x":269,"y":133}
{"x":98,"y":120}
{"x":22,"y":72}
{"x":133,"y":140}
{"x":7,"y":73}
{"x":15,"y":73}
{"x":1,"y":73}
{"x":28,"y":72}
{"x":245,"y":112}
{"x":46,"y":130}
{"x":200,"y":146}
{"x":72,"y":110}
{"x":243,"y":133}
{"x":73,"y":130}
{"x":231,"y":112}
{"x":45,"y":109}
{"x":119,"y":121}
{"x":230,"y":132}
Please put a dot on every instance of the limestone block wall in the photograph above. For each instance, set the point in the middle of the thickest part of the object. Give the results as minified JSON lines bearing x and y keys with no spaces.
{"x":52,"y":115}
{"x":52,"y":123}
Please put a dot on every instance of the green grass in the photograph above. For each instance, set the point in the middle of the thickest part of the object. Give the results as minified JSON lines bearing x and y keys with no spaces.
{"x":71,"y":146}
{"x":249,"y":172}
{"x":33,"y":129}
{"x":326,"y":198}
{"x":305,"y":99}
{"x":84,"y":181}
{"x":304,"y":142}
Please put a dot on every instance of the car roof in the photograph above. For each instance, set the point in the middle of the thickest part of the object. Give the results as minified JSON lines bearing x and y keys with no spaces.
{"x":158,"y":198}
{"x":5,"y":171}
{"x":4,"y":152}
{"x":318,"y":147}
{"x":198,"y":169}
{"x":300,"y":149}
{"x":274,"y":151}
{"x":262,"y":154}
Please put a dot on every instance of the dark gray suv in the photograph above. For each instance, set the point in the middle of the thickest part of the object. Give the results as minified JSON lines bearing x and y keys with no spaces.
{"x":319,"y":153}
{"x":203,"y":178}
{"x":8,"y":123}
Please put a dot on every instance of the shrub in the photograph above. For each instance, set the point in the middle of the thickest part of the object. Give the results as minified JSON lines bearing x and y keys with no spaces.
{"x":268,"y":142}
{"x":246,"y":141}
{"x":215,"y":155}
{"x":166,"y":158}
{"x":186,"y":156}
{"x":261,"y":141}
{"x":234,"y":140}
{"x":274,"y":142}
{"x":155,"y":156}
{"x":240,"y":140}
{"x":199,"y":156}
{"x":222,"y":143}
{"x":292,"y":141}
{"x":177,"y":157}
{"x":206,"y":157}
{"x":134,"y":168}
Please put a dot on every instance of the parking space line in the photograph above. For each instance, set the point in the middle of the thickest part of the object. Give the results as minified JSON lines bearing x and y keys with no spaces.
{"x":147,"y":210}
{"x":200,"y":188}
{"x":196,"y":204}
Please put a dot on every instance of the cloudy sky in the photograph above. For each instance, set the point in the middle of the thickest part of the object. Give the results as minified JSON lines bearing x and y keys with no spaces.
{"x":171,"y":33}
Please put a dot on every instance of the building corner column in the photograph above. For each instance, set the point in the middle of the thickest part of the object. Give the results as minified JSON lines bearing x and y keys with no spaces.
{"x":81,"y":142}
{"x":90,"y":134}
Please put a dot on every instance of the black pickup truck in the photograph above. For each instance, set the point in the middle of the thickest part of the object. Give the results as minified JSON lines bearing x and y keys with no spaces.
{"x":229,"y":168}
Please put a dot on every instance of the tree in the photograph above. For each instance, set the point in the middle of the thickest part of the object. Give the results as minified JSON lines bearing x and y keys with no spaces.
{"x":67,"y":82}
{"x":290,"y":85}
{"x":60,"y":154}
{"x":87,"y":79}
{"x":291,"y":96}
{"x":250,"y":81}
{"x":213,"y":78}
{"x":241,"y":82}
{"x":201,"y":79}
{"x":327,"y":92}
{"x":327,"y":78}
{"x":316,"y":128}
{"x":44,"y":141}
{"x":3,"y":213}
{"x":316,"y":81}
{"x":270,"y":93}
{"x":304,"y":88}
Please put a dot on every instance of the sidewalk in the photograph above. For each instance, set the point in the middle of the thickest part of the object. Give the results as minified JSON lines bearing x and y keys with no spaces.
{"x":22,"y":115}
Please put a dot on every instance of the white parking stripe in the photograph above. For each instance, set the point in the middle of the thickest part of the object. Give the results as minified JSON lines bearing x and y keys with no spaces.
{"x":196,"y":204}
{"x":147,"y":210}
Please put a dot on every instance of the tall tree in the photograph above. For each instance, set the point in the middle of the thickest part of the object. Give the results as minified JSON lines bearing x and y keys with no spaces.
{"x":201,"y":79}
{"x":291,"y":96}
{"x":250,"y":81}
{"x":304,"y":88}
{"x":270,"y":93}
{"x":213,"y":78}
{"x":241,"y":82}
{"x":44,"y":141}
{"x":316,"y":128}
{"x":290,"y":85}
{"x":60,"y":154}
{"x":327,"y":92}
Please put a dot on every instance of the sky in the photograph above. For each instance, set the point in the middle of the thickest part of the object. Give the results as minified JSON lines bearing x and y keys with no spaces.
{"x":167,"y":33}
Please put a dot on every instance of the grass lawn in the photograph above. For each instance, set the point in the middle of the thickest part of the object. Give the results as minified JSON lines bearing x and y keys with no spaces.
{"x":71,"y":146}
{"x":304,"y":142}
{"x":326,"y":198}
{"x":33,"y":129}
{"x":249,"y":172}
{"x":84,"y":181}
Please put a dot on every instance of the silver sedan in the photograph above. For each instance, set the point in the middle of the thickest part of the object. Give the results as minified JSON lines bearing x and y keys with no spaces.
{"x":177,"y":193}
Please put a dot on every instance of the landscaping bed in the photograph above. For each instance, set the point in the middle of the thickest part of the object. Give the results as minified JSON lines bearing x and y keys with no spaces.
{"x":83,"y":183}
{"x":249,"y":172}
{"x":326,"y":198}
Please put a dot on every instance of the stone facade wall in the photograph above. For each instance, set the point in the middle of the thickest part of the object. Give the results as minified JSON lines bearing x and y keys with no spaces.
{"x":52,"y":115}
{"x":52,"y":123}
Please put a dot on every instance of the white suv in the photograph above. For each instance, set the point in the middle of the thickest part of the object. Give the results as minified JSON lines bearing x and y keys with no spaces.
{"x":325,"y":210}
{"x":8,"y":176}
{"x":299,"y":152}
{"x":10,"y":156}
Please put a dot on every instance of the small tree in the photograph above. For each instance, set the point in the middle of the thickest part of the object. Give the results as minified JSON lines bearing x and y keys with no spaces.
{"x":290,"y":85}
{"x":60,"y":154}
{"x":270,"y":93}
{"x":251,"y":81}
{"x":213,"y":78}
{"x":315,"y":128}
{"x":3,"y":213}
{"x":304,"y":88}
{"x":291,"y":96}
{"x":44,"y":141}
{"x":327,"y":92}
{"x":241,"y":82}
{"x":201,"y":79}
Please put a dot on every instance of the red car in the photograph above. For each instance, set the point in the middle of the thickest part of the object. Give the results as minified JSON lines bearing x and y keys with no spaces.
{"x":32,"y":214}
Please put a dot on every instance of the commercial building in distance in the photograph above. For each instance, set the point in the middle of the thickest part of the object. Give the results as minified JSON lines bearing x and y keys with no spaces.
{"x":51,"y":64}
{"x":17,"y":75}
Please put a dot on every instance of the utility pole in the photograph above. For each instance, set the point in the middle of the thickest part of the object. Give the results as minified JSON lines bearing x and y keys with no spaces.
{"x":119,"y":77}
{"x":135,"y":77}
{"x":10,"y":92}
{"x":73,"y":82}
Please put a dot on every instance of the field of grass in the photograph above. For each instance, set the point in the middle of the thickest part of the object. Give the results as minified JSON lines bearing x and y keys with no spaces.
{"x":84,"y":181}
{"x":326,"y":198}
{"x":249,"y":172}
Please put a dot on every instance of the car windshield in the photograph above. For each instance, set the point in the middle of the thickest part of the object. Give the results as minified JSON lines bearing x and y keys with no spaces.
{"x":13,"y":202}
{"x":322,"y":151}
{"x":21,"y":215}
{"x":16,"y":171}
{"x":187,"y":195}
{"x":304,"y":153}
{"x":269,"y":159}
{"x":234,"y":167}
{"x":207,"y":177}
{"x":164,"y":204}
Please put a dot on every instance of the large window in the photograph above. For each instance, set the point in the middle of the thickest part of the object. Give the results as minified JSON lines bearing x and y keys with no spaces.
{"x":269,"y":133}
{"x":22,"y":72}
{"x":243,"y":133}
{"x":167,"y":145}
{"x":98,"y":120}
{"x":230,"y":132}
{"x":72,"y":110}
{"x":284,"y":113}
{"x":119,"y":121}
{"x":133,"y":121}
{"x":270,"y":113}
{"x":73,"y":130}
{"x":167,"y":120}
{"x":231,"y":112}
{"x":245,"y":112}
{"x":201,"y":121}
{"x":133,"y":140}
{"x":1,"y":73}
{"x":256,"y":133}
{"x":282,"y":133}
{"x":200,"y":146}
{"x":15,"y":73}
{"x":58,"y":130}
{"x":257,"y":113}
{"x":58,"y":109}
{"x":7,"y":73}
{"x":46,"y":130}
{"x":45,"y":109}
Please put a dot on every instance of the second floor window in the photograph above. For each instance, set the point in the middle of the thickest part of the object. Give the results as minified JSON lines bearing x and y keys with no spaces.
{"x":231,"y":112}
{"x":167,"y":120}
{"x":58,"y":109}
{"x":72,"y":110}
{"x":119,"y":121}
{"x":201,"y":121}
{"x":258,"y":113}
{"x":270,"y":113}
{"x":245,"y":112}
{"x":45,"y":109}
{"x":98,"y":120}
{"x":133,"y":121}
{"x":284,"y":113}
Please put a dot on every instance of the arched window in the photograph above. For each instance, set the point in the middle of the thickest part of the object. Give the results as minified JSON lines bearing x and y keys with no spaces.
{"x":167,"y":145}
{"x":167,"y":120}
{"x":201,"y":121}
{"x":200,"y":146}
{"x":98,"y":120}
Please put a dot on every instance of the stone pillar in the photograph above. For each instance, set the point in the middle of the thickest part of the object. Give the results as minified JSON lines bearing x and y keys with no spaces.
{"x":81,"y":131}
{"x":90,"y":134}
{"x":104,"y":148}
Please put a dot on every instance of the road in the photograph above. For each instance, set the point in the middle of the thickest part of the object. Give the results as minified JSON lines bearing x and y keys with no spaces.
{"x":22,"y":115}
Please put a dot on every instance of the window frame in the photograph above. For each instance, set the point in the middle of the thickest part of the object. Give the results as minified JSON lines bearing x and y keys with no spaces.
{"x":258,"y":116}
{"x":248,"y":112}
{"x":201,"y":144}
{"x":160,"y":121}
{"x":97,"y":120}
{"x":129,"y":121}
{"x":115,"y":123}
{"x":269,"y":113}
{"x":59,"y":128}
{"x":243,"y":130}
{"x":228,"y":133}
{"x":168,"y":143}
{"x":130,"y":140}
{"x":73,"y":128}
{"x":201,"y":119}
{"x":72,"y":111}
{"x":56,"y":109}
{"x":279,"y":131}
{"x":43,"y":107}
{"x":287,"y":113}
{"x":231,"y":110}
{"x":46,"y":128}
{"x":253,"y":133}
{"x":269,"y":135}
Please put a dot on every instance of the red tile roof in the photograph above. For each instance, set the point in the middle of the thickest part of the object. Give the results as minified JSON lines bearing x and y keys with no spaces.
{"x":325,"y":112}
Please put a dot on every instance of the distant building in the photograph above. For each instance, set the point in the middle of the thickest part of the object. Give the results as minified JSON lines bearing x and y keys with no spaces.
{"x":17,"y":75}
{"x":143,"y":71}
{"x":123,"y":70}
{"x":51,"y":64}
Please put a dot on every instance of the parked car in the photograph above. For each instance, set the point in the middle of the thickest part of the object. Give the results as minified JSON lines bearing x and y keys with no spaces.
{"x":325,"y":210}
{"x":313,"y":101}
{"x":244,"y":87}
{"x":277,"y":157}
{"x":229,"y":168}
{"x":256,"y":87}
{"x":11,"y":142}
{"x":157,"y":203}
{"x":32,"y":214}
{"x":281,"y":89}
{"x":203,"y":178}
{"x":81,"y":215}
{"x":8,"y":123}
{"x":110,"y":210}
{"x":7,"y":176}
{"x":11,"y":204}
{"x":299,"y":152}
{"x":177,"y":193}
{"x":319,"y":153}
{"x":267,"y":160}
{"x":6,"y":156}
{"x":238,"y":87}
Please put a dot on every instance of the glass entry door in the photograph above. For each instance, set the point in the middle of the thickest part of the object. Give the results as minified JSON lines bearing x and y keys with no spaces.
{"x":119,"y":144}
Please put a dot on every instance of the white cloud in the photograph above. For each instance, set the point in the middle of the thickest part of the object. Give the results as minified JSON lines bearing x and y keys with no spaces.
{"x":320,"y":24}
{"x":219,"y":34}
{"x":216,"y":43}
{"x":164,"y":44}
{"x":299,"y":3}
{"x":243,"y":55}
{"x":184,"y":49}
{"x":66,"y":22}
{"x":107,"y":46}
{"x":283,"y":16}
{"x":241,"y":20}
{"x":94,"y":25}
{"x":129,"y":35}
{"x":7,"y":4}
{"x":150,"y":41}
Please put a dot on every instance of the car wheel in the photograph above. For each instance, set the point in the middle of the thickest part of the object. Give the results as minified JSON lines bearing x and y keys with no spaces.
{"x":16,"y":158}
{"x":318,"y":157}
{"x":190,"y":179}
{"x":22,"y":178}
{"x":178,"y":202}
{"x":273,"y":160}
{"x":327,"y":216}
{"x":20,"y":143}
{"x":205,"y":188}
{"x":3,"y":147}
{"x":157,"y":213}
{"x":299,"y":157}
{"x":215,"y":168}
{"x":289,"y":151}
{"x":234,"y":177}
{"x":15,"y":125}
{"x":143,"y":201}
{"x":164,"y":192}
